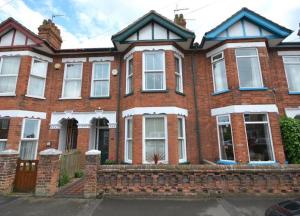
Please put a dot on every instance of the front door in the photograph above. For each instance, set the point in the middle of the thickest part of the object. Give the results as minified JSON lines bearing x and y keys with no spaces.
{"x":102,"y":138}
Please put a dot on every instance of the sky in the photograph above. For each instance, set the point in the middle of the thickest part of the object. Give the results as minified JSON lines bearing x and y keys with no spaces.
{"x":91,"y":23}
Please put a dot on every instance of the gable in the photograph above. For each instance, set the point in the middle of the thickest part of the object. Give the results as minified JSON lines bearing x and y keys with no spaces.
{"x":153,"y":31}
{"x":15,"y":38}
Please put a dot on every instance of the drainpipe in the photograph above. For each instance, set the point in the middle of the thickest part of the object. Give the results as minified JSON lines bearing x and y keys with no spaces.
{"x":196,"y":110}
{"x":118,"y":110}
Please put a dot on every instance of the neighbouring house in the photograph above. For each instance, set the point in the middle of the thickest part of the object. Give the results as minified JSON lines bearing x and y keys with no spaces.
{"x":154,"y":95}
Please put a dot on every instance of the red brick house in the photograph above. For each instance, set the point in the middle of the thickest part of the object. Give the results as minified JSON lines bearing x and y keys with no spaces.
{"x":156,"y":93}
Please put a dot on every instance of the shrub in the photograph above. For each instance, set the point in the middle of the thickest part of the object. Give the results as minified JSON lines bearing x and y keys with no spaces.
{"x":78,"y":174}
{"x":290,"y":131}
{"x":110,"y":162}
{"x":63,"y":179}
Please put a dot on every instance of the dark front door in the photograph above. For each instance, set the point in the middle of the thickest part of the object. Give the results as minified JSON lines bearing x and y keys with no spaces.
{"x":103,"y":144}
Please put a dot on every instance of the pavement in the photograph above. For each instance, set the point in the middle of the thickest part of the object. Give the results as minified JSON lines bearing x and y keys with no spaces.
{"x":229,"y":206}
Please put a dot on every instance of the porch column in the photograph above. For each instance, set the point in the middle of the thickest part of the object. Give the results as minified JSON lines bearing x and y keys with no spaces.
{"x":14,"y":133}
{"x":92,"y":162}
{"x":8,"y":164}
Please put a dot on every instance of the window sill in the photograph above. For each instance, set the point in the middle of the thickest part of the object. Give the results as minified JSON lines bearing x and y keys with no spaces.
{"x":7,"y":94}
{"x":128,"y":94}
{"x":221,"y":92}
{"x":78,"y":98}
{"x":180,"y":93}
{"x":154,"y":91}
{"x":35,"y":97}
{"x":103,"y":97}
{"x":254,"y":89}
{"x":226,"y":162}
{"x":294,"y":93}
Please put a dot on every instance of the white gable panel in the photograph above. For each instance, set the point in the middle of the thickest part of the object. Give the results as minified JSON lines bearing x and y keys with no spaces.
{"x":30,"y":42}
{"x":6,"y":39}
{"x":265,"y":32}
{"x":223,"y":34}
{"x":251,"y":29}
{"x":20,"y":39}
{"x":160,"y":32}
{"x":236,"y":30}
{"x":173,"y":36}
{"x":146,"y":32}
{"x":132,"y":37}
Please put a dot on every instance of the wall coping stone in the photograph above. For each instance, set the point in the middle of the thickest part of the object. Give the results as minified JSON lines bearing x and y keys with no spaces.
{"x":9,"y":152}
{"x":50,"y":151}
{"x":93,"y":152}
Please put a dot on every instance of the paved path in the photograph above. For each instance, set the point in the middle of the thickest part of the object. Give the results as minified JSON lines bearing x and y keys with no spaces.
{"x":232,"y":206}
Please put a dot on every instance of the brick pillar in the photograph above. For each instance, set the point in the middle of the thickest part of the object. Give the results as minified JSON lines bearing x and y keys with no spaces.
{"x":137,"y":146}
{"x":53,"y":137}
{"x":48,"y":173}
{"x":112,"y":145}
{"x":83,"y":138}
{"x":8,"y":164}
{"x":239,"y":138}
{"x":14,"y":133}
{"x":173,"y":139}
{"x":92,"y":161}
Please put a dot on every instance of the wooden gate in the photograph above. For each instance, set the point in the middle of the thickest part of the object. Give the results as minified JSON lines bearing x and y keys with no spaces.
{"x":26,"y":172}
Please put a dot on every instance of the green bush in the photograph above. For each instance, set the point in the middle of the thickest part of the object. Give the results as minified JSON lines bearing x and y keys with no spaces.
{"x":63,"y":179}
{"x":110,"y":162}
{"x":78,"y":174}
{"x":290,"y":131}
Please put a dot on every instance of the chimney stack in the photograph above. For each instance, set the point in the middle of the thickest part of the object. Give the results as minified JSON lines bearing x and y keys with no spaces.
{"x":50,"y":33}
{"x":179,"y":20}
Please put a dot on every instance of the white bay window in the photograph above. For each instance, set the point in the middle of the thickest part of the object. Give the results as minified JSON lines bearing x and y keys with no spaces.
{"x":292,"y":71}
{"x":181,"y":140}
{"x":100,"y":79}
{"x":128,"y":139}
{"x":72,"y":80}
{"x":219,"y":73}
{"x":29,"y":139}
{"x":9,"y":70}
{"x":178,"y":74}
{"x":226,"y":149}
{"x":129,"y":75}
{"x":37,"y":79}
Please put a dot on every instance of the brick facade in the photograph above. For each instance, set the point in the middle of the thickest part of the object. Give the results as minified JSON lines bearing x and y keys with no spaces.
{"x":8,"y":164}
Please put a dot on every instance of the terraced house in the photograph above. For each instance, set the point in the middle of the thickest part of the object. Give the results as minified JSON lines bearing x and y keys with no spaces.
{"x":156,"y":95}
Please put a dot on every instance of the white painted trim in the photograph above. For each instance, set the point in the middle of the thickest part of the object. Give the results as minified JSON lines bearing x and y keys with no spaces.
{"x":22,"y":114}
{"x":101,"y":59}
{"x":292,"y":112}
{"x":235,"y":45}
{"x":125,"y":141}
{"x":50,"y":151}
{"x":83,"y":118}
{"x":153,"y":48}
{"x":26,"y":53}
{"x":288,"y":53}
{"x":154,"y":111}
{"x":72,"y":60}
{"x":244,"y":109}
{"x":180,"y":72}
{"x":93,"y":79}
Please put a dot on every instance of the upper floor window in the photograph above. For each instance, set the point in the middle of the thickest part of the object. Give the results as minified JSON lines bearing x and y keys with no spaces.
{"x":178,"y":74}
{"x":29,"y":139}
{"x":72,"y":80}
{"x":37,"y":79}
{"x":219,"y":73}
{"x":292,"y":70}
{"x":154,"y":77}
{"x":4,"y":127}
{"x":248,"y":68}
{"x":9,"y":69}
{"x":225,"y":138}
{"x":129,"y":75}
{"x":100,"y":79}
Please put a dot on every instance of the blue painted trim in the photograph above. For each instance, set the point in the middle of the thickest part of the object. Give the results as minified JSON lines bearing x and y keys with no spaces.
{"x":226,"y":162}
{"x":262,"y":163}
{"x":243,"y":26}
{"x":221,"y":92}
{"x":294,"y":93}
{"x":254,"y":89}
{"x":239,"y":37}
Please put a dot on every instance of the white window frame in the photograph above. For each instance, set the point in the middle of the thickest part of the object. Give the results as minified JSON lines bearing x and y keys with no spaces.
{"x":179,"y":73}
{"x":5,"y":140}
{"x":166,"y":138}
{"x":93,"y":79}
{"x":219,"y":139}
{"x":163,"y":71}
{"x":40,"y":77}
{"x":285,"y":71}
{"x":270,"y":133}
{"x":184,"y":159}
{"x":129,"y":75}
{"x":126,"y":139}
{"x":259,"y":66}
{"x":30,"y":139}
{"x":213,"y":61}
{"x":10,"y":75}
{"x":64,"y":80}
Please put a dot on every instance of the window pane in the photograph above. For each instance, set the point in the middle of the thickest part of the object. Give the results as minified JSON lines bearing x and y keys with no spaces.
{"x":249,"y":72}
{"x":154,"y":80}
{"x":130,"y":67}
{"x":259,"y":142}
{"x":180,"y":127}
{"x":293,"y":76}
{"x":73,"y":71}
{"x":222,"y":119}
{"x":245,"y":52}
{"x":31,"y":128}
{"x":2,"y":145}
{"x":129,"y":128}
{"x":154,"y":127}
{"x":177,"y":65}
{"x":8,"y":84}
{"x":180,"y":148}
{"x":255,"y":117}
{"x":27,"y":150}
{"x":72,"y":88}
{"x":10,"y":65}
{"x":101,"y":88}
{"x":155,"y":147}
{"x":294,"y":59}
{"x":39,"y":68}
{"x":129,"y":149}
{"x":226,"y":146}
{"x":4,"y":127}
{"x":129,"y":85}
{"x":220,"y":79}
{"x":101,"y":71}
{"x":154,"y":61}
{"x":178,"y":83}
{"x":36,"y":86}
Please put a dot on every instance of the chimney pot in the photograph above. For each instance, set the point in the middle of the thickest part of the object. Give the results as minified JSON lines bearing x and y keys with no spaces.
{"x":179,"y":20}
{"x":50,"y":33}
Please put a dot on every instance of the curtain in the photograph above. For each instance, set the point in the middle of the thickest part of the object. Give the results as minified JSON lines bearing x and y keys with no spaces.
{"x":10,"y":65}
{"x":249,"y":72}
{"x":27,"y":150}
{"x":72,"y":88}
{"x":8,"y":84}
{"x":154,"y":80}
{"x":36,"y":86}
{"x":220,"y":78}
{"x":293,"y":76}
{"x":101,"y":71}
{"x":155,"y":147}
{"x":73,"y":71}
{"x":39,"y":68}
{"x":101,"y":88}
{"x":155,"y":128}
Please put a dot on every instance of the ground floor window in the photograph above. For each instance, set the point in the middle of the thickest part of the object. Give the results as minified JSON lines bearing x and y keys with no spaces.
{"x":225,"y":138}
{"x":155,"y":138}
{"x":128,"y":140}
{"x":29,"y":139}
{"x":181,"y":139}
{"x":4,"y":127}
{"x":259,"y":137}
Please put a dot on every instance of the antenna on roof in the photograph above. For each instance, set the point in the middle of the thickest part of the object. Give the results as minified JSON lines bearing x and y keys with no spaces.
{"x":55,"y":15}
{"x":179,"y":9}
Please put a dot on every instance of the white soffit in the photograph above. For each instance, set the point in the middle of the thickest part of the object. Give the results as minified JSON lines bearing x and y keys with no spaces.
{"x":244,"y":109}
{"x":22,"y":114}
{"x":26,"y":53}
{"x":71,"y":60}
{"x":154,"y":111}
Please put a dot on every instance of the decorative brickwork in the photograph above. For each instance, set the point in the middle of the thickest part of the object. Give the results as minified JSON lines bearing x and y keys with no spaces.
{"x":90,"y":179}
{"x":8,"y":164}
{"x":48,"y":173}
